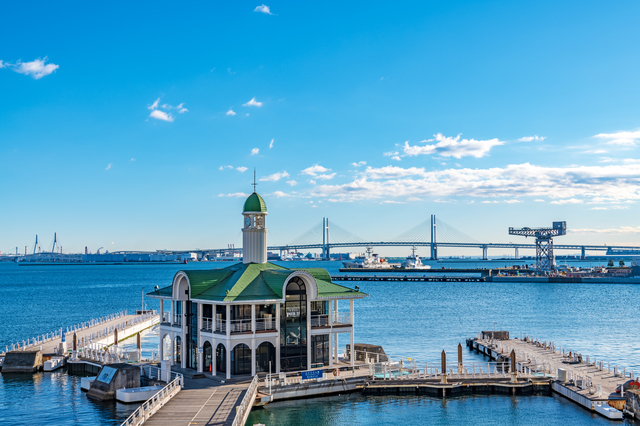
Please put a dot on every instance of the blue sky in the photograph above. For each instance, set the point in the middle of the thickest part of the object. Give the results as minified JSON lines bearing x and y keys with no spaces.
{"x":138,"y":126}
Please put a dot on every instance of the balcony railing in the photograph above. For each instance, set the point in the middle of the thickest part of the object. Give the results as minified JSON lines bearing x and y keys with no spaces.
{"x":319,"y":320}
{"x":339,"y":318}
{"x":166,"y":317}
{"x":265,"y":324}
{"x":342,"y":318}
{"x":207,"y":324}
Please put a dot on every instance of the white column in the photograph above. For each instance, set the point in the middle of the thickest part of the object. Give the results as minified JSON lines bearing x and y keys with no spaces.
{"x":253,"y":340}
{"x":335,"y":335}
{"x":277,"y":360}
{"x":228,"y":321}
{"x":171,"y":320}
{"x":161,"y":345}
{"x":214,"y":358}
{"x":330,"y":350}
{"x":308,"y":333}
{"x":352,"y":358}
{"x":200,"y":354}
{"x":330,"y":312}
{"x":183,"y":347}
{"x":228,"y":359}
{"x":161,"y":310}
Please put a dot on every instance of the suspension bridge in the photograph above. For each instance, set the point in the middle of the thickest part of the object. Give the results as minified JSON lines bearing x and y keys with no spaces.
{"x":431,"y":233}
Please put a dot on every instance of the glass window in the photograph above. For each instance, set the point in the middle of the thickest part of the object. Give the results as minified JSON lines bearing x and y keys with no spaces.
{"x":293,"y":327}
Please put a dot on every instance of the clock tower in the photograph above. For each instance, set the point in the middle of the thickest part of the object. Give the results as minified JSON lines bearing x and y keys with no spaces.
{"x":254,"y":232}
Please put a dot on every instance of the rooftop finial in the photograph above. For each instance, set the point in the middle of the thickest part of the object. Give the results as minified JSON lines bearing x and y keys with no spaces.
{"x":254,"y":180}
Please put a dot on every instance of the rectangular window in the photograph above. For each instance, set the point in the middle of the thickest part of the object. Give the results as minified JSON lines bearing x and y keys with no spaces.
{"x":320,"y":349}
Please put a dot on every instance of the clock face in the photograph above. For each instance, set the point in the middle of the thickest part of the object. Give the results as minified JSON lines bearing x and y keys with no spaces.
{"x":247,"y":221}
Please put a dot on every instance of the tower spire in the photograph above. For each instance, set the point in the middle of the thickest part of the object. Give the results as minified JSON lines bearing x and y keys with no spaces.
{"x":254,"y":180}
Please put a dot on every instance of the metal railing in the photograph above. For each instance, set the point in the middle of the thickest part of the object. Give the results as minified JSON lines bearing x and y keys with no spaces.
{"x":153,"y":404}
{"x":242,"y":410}
{"x":160,"y":374}
{"x":265,"y":324}
{"x":342,"y":318}
{"x":319,"y":320}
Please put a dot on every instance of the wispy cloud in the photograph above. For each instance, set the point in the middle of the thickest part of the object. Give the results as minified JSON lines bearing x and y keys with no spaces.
{"x":225,"y":167}
{"x":230,"y":112}
{"x":453,"y":147}
{"x":133,"y":159}
{"x":37,"y":68}
{"x":275,"y":177}
{"x":154,"y":105}
{"x":234,"y":194}
{"x":255,"y":151}
{"x":241,"y":169}
{"x":562,"y":185}
{"x":314,"y":170}
{"x":359,"y":163}
{"x":292,"y":182}
{"x":263,"y":9}
{"x":620,"y":138}
{"x":253,"y":103}
{"x":325,"y":176}
{"x":108,"y":167}
{"x":279,"y":194}
{"x":271,"y":143}
{"x":161,"y":115}
{"x":532,"y":138}
{"x":621,"y":230}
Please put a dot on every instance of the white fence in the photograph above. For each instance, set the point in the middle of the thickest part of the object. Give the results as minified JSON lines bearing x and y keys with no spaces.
{"x":39,"y":340}
{"x":242,"y":411}
{"x":155,"y":403}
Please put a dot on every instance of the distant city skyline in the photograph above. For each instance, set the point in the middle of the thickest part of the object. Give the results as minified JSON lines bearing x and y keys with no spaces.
{"x":138,"y":128}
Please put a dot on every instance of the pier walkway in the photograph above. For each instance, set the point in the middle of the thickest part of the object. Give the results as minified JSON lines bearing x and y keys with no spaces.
{"x":202,"y":402}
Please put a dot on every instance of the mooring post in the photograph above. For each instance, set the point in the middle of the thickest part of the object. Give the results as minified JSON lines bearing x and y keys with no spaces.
{"x":513,"y":370}
{"x":443,"y":359}
{"x":459,"y":356}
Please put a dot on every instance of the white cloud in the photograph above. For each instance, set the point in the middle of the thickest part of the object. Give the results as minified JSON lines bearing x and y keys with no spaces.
{"x":161,"y":115}
{"x":620,"y":138}
{"x":234,"y":194}
{"x":359,"y":163}
{"x":241,"y":169}
{"x":292,"y":182}
{"x":230,"y":112}
{"x":563,"y":185}
{"x":596,"y":151}
{"x":36,"y":68}
{"x":539,"y":201}
{"x":532,"y":138}
{"x":391,"y":153}
{"x":275,"y":177}
{"x":453,"y":147}
{"x":314,"y":170}
{"x":255,"y":151}
{"x":313,"y":182}
{"x":182,"y":110}
{"x":108,"y":167}
{"x":568,"y":201}
{"x":325,"y":176}
{"x":133,"y":159}
{"x":252,"y":103}
{"x":271,"y":143}
{"x":512,"y":201}
{"x":397,"y":158}
{"x":225,"y":167}
{"x":280,"y":194}
{"x":392,"y":202}
{"x":622,"y":230}
{"x":263,"y":9}
{"x":154,"y":105}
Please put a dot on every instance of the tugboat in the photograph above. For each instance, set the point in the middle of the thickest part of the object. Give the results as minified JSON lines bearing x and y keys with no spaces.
{"x":413,"y":261}
{"x":369,"y":261}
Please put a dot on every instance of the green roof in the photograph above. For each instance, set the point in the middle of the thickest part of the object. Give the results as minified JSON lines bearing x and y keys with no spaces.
{"x":253,"y":281}
{"x":255,"y":203}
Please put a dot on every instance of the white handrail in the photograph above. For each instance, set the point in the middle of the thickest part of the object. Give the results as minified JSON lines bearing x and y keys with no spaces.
{"x":153,"y":404}
{"x":242,"y":411}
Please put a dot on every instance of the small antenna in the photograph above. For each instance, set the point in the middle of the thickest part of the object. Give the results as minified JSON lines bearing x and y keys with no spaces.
{"x":254,"y":180}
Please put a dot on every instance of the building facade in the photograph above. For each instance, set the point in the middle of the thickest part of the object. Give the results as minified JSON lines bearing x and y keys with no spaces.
{"x":254,"y":316}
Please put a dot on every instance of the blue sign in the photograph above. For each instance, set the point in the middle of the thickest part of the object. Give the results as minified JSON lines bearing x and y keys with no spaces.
{"x":313,"y":374}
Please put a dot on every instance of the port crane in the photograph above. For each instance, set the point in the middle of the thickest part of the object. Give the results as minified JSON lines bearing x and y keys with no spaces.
{"x":544,"y":243}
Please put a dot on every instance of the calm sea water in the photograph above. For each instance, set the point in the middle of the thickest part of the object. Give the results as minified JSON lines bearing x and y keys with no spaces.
{"x":408,"y":319}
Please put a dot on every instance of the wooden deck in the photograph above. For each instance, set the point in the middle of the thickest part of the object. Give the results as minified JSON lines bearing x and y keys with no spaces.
{"x":201,"y":402}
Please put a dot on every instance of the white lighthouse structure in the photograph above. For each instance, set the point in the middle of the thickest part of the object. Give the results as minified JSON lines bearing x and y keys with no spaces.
{"x":254,"y":232}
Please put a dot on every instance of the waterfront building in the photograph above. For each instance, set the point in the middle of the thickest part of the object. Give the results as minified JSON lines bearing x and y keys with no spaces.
{"x":254,"y":316}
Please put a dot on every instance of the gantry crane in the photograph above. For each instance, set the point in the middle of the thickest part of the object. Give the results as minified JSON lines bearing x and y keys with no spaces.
{"x":544,"y":243}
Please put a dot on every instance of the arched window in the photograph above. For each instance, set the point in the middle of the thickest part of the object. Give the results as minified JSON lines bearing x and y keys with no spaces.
{"x":266,"y":358}
{"x":293,"y":327}
{"x":221,"y":359}
{"x":177,"y":354}
{"x":241,"y":360}
{"x":207,"y":357}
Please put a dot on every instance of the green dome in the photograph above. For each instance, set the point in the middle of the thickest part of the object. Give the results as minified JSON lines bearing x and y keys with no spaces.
{"x":255,"y":203}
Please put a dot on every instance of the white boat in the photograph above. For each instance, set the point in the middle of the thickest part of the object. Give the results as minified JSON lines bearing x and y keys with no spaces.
{"x":137,"y":394}
{"x":413,"y":261}
{"x":607,"y":411}
{"x":54,"y":363}
{"x":370,"y":260}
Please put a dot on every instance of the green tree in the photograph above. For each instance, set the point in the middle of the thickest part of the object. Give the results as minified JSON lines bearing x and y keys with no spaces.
{"x":621,"y":263}
{"x":610,"y":265}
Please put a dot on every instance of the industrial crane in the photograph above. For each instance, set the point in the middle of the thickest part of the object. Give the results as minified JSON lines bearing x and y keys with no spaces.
{"x":544,"y":243}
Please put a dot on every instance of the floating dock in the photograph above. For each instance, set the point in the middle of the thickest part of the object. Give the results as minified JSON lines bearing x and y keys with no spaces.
{"x":408,"y":278}
{"x":588,"y":382}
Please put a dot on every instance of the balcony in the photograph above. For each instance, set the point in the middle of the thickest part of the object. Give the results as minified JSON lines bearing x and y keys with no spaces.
{"x":339,"y":319}
{"x":238,"y":326}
